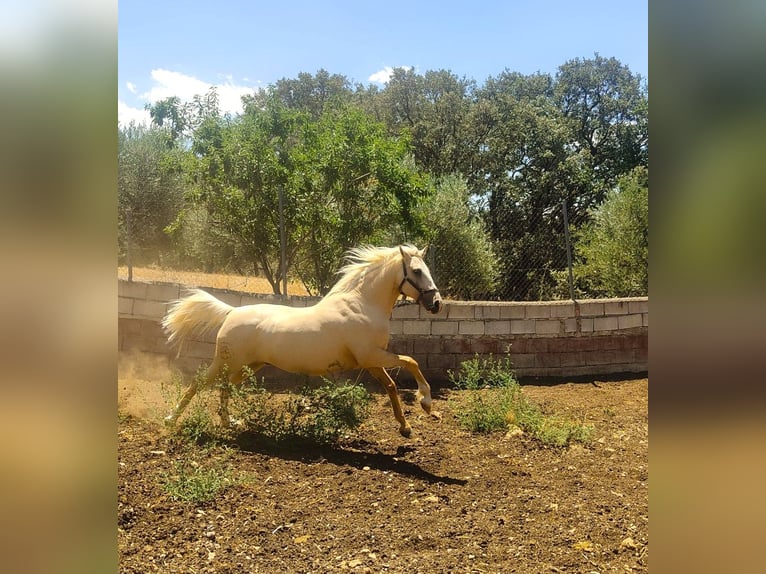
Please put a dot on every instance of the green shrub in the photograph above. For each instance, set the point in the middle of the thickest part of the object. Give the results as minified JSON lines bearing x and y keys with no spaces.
{"x":315,"y":415}
{"x":493,"y":401}
{"x":484,"y":372}
{"x":197,"y":426}
{"x":463,"y":262}
{"x":612,"y":251}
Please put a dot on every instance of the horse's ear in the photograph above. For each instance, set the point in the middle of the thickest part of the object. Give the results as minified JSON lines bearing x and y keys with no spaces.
{"x":424,"y":251}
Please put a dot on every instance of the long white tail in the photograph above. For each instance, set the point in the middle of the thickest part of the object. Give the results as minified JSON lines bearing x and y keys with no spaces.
{"x":195,"y":315}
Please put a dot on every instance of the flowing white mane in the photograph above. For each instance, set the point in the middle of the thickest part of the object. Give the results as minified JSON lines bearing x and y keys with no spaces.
{"x":363,"y":260}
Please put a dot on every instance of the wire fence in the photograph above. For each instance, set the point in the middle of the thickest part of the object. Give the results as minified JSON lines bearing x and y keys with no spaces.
{"x":522,"y":264}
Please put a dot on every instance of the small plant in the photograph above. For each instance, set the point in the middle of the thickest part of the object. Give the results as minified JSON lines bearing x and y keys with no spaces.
{"x":484,"y":372}
{"x":493,"y":393}
{"x":191,"y":483}
{"x":315,"y":415}
{"x":197,"y":426}
{"x":494,"y":402}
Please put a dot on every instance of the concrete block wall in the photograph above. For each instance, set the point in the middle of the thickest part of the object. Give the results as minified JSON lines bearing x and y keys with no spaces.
{"x":545,"y":339}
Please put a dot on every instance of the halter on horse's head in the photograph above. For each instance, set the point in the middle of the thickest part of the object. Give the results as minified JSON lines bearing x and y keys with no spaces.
{"x":428,"y":296}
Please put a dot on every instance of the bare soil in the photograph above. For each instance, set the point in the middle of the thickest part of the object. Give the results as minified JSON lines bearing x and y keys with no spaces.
{"x":246,"y":283}
{"x":444,"y":500}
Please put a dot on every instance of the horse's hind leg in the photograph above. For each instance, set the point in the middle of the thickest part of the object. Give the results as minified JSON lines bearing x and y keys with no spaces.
{"x":388,"y":383}
{"x":234,"y":379}
{"x":171,"y":419}
{"x":212,"y":373}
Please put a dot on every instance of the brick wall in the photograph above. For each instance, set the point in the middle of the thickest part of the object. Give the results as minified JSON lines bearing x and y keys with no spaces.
{"x":545,"y":339}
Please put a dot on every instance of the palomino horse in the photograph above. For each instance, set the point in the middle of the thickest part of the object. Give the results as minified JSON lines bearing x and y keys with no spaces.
{"x":347,"y":329}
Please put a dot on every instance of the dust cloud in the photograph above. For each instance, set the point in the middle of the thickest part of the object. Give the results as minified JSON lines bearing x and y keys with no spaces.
{"x":147,"y":385}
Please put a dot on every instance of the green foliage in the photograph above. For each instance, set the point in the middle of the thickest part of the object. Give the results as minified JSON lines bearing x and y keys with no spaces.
{"x":484,"y":372}
{"x":606,"y":106}
{"x":463,"y":262}
{"x":493,"y":401}
{"x":613,"y":250}
{"x":197,"y":426}
{"x":352,"y":182}
{"x":334,"y":409}
{"x":434,"y":109}
{"x":342,"y":180}
{"x":491,"y":393}
{"x":194,"y":484}
{"x":149,"y":193}
{"x":354,"y":165}
{"x":315,"y":415}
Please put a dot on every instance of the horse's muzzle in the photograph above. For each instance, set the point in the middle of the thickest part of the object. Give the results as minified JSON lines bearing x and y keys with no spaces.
{"x":435,"y":304}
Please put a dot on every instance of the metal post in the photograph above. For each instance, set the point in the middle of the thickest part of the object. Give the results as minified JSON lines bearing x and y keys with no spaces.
{"x":128,"y":241}
{"x":282,"y":241}
{"x":569,"y":250}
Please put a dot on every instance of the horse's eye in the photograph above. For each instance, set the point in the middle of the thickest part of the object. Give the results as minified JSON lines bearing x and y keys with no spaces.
{"x":418,"y":272}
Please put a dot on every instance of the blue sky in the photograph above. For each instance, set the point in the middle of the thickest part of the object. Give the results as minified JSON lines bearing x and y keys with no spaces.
{"x":182,"y":48}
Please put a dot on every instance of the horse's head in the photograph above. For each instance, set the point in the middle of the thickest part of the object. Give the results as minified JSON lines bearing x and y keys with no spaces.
{"x":417,"y":282}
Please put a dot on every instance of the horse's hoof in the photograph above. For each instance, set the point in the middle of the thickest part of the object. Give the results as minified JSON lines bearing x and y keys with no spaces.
{"x":426,"y":406}
{"x":405,"y":431}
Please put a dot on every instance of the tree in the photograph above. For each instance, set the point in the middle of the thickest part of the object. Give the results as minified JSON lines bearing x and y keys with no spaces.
{"x":149,"y":192}
{"x":170,"y":112}
{"x":343,"y":181}
{"x":312,"y":93}
{"x":613,"y":249}
{"x":607,"y":108}
{"x":433,"y":108}
{"x":461,"y":257}
{"x":237,"y":169}
{"x":353,"y":184}
{"x":524,"y":167}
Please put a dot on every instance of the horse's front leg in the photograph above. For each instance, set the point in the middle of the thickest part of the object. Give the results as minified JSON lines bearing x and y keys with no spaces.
{"x":424,"y":389}
{"x":390,"y":360}
{"x":393,"y":395}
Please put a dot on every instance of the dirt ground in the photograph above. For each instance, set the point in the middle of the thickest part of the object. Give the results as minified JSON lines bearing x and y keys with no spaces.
{"x":444,"y":500}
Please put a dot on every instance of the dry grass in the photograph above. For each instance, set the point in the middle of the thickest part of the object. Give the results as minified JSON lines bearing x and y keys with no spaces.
{"x":214,"y":280}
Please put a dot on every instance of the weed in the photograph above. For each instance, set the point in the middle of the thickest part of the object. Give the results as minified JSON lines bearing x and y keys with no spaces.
{"x":192,"y":483}
{"x":197,"y":425}
{"x":484,"y":372}
{"x":314,"y":415}
{"x":493,"y":401}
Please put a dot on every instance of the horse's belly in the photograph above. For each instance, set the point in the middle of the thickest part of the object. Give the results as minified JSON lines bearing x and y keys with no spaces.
{"x":308,"y":353}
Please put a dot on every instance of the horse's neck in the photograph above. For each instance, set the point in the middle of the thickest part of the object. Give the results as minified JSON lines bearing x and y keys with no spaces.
{"x":379,"y":289}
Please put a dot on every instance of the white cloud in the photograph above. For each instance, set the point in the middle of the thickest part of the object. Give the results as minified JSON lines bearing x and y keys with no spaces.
{"x":168,"y":83}
{"x":229,"y":96}
{"x":127,"y":114}
{"x":384,"y":75}
{"x":131,"y":87}
{"x":381,"y":76}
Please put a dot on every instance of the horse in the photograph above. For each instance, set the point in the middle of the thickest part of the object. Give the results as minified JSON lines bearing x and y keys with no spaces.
{"x":347,"y":329}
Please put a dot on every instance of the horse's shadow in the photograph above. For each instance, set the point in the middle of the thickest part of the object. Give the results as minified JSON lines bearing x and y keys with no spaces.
{"x":358,"y":454}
